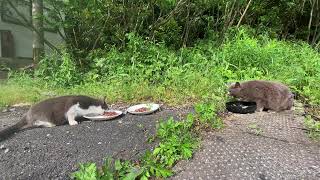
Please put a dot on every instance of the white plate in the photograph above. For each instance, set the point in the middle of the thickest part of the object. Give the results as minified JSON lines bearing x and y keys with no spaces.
{"x":153,"y":108}
{"x":99,"y":117}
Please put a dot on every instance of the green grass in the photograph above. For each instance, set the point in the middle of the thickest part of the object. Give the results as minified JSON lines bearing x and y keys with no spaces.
{"x":12,"y":93}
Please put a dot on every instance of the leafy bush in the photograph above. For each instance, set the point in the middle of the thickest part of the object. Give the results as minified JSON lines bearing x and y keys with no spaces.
{"x":142,"y":60}
{"x":59,"y":70}
{"x":177,"y":142}
{"x":207,"y":115}
{"x":93,"y":25}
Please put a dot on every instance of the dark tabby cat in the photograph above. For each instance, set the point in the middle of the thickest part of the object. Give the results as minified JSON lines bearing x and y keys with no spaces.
{"x":56,"y":111}
{"x":269,"y":95}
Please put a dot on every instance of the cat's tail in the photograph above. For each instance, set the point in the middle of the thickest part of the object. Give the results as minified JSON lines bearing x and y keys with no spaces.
{"x":6,"y":133}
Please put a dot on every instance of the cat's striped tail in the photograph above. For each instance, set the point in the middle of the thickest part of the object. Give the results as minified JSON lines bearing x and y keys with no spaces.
{"x":7,"y":132}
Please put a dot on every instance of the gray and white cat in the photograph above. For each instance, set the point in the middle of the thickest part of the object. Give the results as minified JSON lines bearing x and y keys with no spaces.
{"x":56,"y":111}
{"x":267,"y":94}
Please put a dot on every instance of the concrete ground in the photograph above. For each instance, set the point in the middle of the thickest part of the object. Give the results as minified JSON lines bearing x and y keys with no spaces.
{"x":255,"y":146}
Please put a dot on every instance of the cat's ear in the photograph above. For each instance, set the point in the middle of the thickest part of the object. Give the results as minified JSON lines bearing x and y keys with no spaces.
{"x":237,"y":85}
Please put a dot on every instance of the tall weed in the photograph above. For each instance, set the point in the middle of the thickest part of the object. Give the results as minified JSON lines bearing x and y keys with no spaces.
{"x":59,"y":70}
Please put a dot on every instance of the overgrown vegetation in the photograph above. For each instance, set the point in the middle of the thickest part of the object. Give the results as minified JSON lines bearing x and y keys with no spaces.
{"x":177,"y":140}
{"x":103,"y":24}
{"x":149,"y":71}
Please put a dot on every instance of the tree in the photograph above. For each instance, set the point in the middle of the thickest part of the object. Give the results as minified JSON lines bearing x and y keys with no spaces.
{"x":38,"y":33}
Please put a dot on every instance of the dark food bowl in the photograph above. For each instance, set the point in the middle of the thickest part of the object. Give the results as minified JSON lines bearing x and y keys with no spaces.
{"x":241,"y":107}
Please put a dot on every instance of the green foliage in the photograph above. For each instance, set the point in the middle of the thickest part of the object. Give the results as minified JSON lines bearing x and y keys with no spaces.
{"x":146,"y":70}
{"x":206,"y":112}
{"x":111,"y":170}
{"x":170,"y":33}
{"x":153,"y":168}
{"x":59,"y":70}
{"x":177,"y":142}
{"x":87,"y":171}
{"x":94,"y":25}
{"x":142,"y":60}
{"x":313,"y":127}
{"x":207,"y":115}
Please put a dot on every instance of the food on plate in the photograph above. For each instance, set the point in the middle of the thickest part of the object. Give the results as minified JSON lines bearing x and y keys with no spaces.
{"x":110,"y":113}
{"x":143,"y":109}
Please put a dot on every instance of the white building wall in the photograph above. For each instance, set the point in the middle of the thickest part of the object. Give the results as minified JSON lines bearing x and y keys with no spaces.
{"x":22,"y":35}
{"x":23,"y":39}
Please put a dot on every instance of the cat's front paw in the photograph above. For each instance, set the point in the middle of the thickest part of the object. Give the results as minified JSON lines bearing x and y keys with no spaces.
{"x":71,"y":123}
